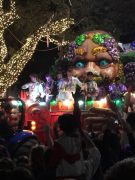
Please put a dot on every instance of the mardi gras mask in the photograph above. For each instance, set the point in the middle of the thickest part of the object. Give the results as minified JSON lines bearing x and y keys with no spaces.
{"x":95,"y":52}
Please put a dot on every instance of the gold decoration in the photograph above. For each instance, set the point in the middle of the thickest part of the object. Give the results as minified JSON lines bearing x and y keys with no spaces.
{"x":99,"y":49}
{"x":121,"y":72}
{"x":80,"y":51}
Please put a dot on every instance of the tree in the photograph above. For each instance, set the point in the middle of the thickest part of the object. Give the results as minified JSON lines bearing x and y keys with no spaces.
{"x":21,"y":19}
{"x":11,"y":68}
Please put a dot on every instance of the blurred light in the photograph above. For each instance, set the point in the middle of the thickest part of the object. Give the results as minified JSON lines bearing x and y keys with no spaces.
{"x":53,"y":102}
{"x":42,"y":103}
{"x":81,"y":103}
{"x":102,"y":103}
{"x":19,"y":103}
{"x":118,"y":102}
{"x":33,"y":125}
{"x":33,"y":128}
{"x":66,"y":102}
{"x":14,"y":102}
{"x":90,"y":103}
{"x":103,"y":100}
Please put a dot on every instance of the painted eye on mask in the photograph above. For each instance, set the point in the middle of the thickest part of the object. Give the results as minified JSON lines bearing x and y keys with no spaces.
{"x":103,"y":63}
{"x":80,"y":64}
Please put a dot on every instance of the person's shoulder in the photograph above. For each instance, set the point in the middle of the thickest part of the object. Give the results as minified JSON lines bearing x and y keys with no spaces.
{"x":30,"y":84}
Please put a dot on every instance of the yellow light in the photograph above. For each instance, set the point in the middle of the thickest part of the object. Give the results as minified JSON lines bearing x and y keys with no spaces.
{"x":9,"y":72}
{"x":103,"y":100}
{"x":33,"y":128}
{"x":102,"y":103}
{"x":68,"y":103}
{"x":33,"y":123}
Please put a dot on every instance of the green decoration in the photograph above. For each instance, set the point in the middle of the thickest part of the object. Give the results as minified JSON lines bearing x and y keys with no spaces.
{"x":100,"y":38}
{"x":80,"y":39}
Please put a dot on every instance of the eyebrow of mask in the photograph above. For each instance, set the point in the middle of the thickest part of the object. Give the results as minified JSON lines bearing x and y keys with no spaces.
{"x":97,"y":58}
{"x":77,"y":58}
{"x":103,"y":56}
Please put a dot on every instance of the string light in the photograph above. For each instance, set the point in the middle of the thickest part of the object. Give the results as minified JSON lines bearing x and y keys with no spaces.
{"x":6,"y":19}
{"x":10,"y":71}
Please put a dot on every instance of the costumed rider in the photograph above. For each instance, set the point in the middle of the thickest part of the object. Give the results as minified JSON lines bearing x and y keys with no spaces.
{"x":67,"y":86}
{"x":49,"y":88}
{"x":36,"y":91}
{"x":92,"y":88}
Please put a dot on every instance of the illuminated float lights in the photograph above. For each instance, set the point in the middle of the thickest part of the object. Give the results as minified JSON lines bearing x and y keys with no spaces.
{"x":102,"y":103}
{"x":33,"y":125}
{"x":119,"y":102}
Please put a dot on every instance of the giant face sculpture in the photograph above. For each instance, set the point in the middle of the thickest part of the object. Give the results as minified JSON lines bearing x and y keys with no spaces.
{"x":96,"y":52}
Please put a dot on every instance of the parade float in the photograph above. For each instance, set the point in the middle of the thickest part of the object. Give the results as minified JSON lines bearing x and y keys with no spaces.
{"x":95,"y":52}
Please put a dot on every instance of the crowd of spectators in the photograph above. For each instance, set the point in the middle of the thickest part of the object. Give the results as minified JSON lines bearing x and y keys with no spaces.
{"x":76,"y":154}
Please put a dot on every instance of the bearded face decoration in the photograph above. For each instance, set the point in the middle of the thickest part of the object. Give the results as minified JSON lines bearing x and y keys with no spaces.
{"x":95,"y":52}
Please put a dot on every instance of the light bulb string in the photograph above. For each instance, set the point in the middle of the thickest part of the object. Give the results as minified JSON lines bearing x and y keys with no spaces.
{"x":17,"y":39}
